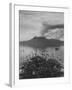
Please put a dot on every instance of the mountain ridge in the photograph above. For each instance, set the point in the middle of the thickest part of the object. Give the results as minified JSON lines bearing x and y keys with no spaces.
{"x":42,"y":42}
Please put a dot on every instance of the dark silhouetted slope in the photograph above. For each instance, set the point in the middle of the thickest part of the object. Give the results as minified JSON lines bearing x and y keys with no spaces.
{"x":42,"y":42}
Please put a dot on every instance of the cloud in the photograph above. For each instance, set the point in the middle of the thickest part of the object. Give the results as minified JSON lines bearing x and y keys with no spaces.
{"x":36,"y":23}
{"x":47,"y":27}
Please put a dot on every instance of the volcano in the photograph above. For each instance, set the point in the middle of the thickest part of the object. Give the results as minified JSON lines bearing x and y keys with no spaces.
{"x":42,"y":42}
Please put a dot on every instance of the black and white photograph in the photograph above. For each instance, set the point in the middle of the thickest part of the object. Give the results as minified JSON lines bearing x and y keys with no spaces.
{"x":41,"y":44}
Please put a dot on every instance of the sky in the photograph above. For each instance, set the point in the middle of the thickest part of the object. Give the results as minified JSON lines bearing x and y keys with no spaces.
{"x":38,"y":23}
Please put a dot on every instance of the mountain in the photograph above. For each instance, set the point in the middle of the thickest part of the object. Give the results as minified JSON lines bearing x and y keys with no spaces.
{"x":41,"y":42}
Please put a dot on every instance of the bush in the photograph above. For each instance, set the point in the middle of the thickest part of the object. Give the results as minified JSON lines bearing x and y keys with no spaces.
{"x":38,"y":67}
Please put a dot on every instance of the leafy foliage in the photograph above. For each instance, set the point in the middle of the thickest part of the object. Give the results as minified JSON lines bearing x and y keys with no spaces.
{"x":39,"y":67}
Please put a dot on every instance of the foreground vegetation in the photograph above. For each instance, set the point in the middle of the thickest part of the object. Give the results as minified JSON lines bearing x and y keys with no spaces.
{"x":38,"y":67}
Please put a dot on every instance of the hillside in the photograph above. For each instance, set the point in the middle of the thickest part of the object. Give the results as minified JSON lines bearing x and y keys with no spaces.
{"x":41,"y":42}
